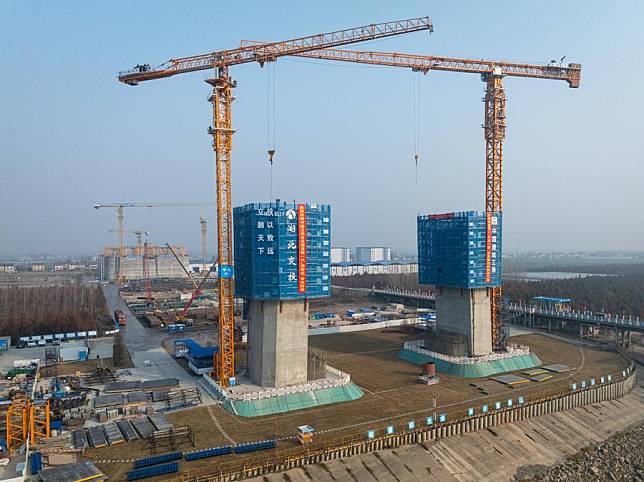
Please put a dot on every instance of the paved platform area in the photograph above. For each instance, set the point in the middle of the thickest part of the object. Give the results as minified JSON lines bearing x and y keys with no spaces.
{"x":150,"y":359}
{"x":496,"y":454}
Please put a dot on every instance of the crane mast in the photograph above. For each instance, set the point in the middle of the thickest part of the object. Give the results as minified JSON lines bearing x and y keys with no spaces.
{"x":222,"y":131}
{"x":492,"y":73}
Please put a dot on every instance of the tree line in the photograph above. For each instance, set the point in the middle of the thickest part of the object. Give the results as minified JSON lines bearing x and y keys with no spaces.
{"x":50,"y":309}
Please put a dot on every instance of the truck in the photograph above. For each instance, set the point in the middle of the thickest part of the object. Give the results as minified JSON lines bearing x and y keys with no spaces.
{"x":119,"y":317}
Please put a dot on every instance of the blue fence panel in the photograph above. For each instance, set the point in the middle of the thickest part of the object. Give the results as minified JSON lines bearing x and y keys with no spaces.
{"x":214,"y":452}
{"x":153,"y":471}
{"x":253,"y":446}
{"x":157,"y":459}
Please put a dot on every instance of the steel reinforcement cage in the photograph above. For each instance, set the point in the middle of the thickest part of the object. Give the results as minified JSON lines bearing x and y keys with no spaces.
{"x":461,"y":250}
{"x":282,"y":250}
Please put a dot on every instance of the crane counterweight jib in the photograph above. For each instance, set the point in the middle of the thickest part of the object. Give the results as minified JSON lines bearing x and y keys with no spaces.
{"x":270,"y":51}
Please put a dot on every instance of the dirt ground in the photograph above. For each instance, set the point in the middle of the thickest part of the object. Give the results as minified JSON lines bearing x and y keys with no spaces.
{"x":340,"y":302}
{"x":392,"y":396}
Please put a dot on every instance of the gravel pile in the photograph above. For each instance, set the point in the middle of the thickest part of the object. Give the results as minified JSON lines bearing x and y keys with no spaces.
{"x":621,"y":457}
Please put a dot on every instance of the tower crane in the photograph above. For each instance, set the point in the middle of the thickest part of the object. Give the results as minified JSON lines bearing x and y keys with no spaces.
{"x":119,"y":219}
{"x":492,"y":73}
{"x":222,"y":132}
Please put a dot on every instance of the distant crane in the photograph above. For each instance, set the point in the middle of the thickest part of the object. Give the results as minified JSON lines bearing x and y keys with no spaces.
{"x":222,"y":133}
{"x":492,"y":73}
{"x":202,"y":221}
{"x":139,"y":238}
{"x":120,"y":278}
{"x":146,"y":271}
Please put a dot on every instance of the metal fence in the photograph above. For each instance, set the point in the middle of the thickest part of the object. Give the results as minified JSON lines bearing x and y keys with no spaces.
{"x":417,"y":427}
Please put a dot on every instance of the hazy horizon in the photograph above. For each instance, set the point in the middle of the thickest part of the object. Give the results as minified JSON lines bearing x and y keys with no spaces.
{"x":72,"y":136}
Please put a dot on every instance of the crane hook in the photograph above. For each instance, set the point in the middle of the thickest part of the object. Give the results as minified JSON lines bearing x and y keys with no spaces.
{"x":271,"y":153}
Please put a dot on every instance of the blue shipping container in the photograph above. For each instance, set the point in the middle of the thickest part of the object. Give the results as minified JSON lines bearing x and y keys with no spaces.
{"x":282,"y":251}
{"x":461,"y":250}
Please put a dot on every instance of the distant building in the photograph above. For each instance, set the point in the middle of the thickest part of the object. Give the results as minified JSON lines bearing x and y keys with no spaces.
{"x":200,"y":267}
{"x":39,"y":267}
{"x":373,"y":253}
{"x":7,"y":268}
{"x":373,"y":267}
{"x":340,"y":255}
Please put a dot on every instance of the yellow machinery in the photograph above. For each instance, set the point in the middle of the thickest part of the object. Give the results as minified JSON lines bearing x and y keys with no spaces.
{"x":39,"y":421}
{"x":17,"y":422}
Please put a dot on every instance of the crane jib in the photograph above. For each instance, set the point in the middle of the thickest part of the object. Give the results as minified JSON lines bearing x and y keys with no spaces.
{"x":265,"y":52}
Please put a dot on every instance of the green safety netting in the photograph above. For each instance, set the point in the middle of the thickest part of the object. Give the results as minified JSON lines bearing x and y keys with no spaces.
{"x":478,"y":370}
{"x":294,"y":401}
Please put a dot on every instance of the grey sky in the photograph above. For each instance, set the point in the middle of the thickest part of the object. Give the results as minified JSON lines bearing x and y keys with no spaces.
{"x":71,"y":135}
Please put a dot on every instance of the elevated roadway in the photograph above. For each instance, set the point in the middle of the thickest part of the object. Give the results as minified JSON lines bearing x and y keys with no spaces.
{"x":528,"y":315}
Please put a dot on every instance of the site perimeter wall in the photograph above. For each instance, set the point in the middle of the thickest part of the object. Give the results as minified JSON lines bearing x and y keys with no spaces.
{"x":290,"y":458}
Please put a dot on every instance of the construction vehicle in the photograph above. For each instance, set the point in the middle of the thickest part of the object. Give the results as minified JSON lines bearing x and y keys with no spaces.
{"x":222,"y":132}
{"x":119,"y":317}
{"x":492,"y":73}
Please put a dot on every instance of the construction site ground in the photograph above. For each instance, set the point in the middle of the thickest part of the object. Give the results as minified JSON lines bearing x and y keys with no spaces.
{"x":391,"y":396}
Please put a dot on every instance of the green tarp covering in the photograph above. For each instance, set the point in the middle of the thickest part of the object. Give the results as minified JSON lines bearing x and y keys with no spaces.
{"x":295,"y":401}
{"x":478,"y":370}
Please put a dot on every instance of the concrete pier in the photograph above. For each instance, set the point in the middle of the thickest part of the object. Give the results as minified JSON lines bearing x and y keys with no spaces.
{"x":465,"y":312}
{"x":278,"y":342}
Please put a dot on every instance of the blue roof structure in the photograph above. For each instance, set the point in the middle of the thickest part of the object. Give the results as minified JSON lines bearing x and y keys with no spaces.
{"x":549,"y":299}
{"x":372,"y":263}
{"x":198,"y":351}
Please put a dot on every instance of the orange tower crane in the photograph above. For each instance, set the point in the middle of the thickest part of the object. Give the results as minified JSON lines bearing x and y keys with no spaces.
{"x":222,"y":133}
{"x":492,"y":73}
{"x":120,"y":278}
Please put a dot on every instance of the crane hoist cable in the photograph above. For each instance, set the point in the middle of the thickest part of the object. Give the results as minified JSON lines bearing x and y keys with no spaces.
{"x":270,"y":119}
{"x":416,"y":118}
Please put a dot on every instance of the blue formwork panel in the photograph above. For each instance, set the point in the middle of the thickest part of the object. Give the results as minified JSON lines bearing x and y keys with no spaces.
{"x":461,"y":250}
{"x":214,"y":452}
{"x":146,"y":472}
{"x":253,"y":446}
{"x":282,"y":251}
{"x":157,"y":459}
